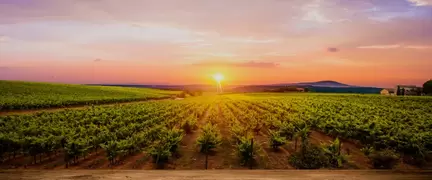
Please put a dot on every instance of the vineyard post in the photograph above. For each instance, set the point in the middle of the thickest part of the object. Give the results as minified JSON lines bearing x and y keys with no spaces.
{"x":252,"y":152}
{"x":157,"y":160}
{"x":206,"y":159}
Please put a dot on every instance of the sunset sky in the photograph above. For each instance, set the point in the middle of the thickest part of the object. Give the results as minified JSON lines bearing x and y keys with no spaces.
{"x":359,"y":42}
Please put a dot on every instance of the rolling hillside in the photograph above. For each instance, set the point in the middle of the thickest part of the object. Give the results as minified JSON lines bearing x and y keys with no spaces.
{"x":32,"y":95}
{"x":319,"y":86}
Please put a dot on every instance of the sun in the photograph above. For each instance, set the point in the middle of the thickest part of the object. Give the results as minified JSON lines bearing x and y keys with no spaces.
{"x":218,"y":77}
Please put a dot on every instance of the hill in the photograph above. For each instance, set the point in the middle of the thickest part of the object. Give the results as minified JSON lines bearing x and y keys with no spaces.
{"x":33,"y":95}
{"x":319,"y":86}
{"x":326,"y":86}
{"x":323,"y":84}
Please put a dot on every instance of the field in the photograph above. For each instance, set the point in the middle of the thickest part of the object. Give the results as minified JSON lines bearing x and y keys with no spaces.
{"x":30,"y":95}
{"x":232,"y":131}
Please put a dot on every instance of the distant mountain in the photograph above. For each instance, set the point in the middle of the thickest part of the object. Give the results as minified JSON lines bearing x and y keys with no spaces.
{"x":326,"y":86}
{"x":326,"y":83}
{"x":319,"y":86}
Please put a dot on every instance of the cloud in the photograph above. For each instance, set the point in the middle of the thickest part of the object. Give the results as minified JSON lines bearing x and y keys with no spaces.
{"x":258,"y":64}
{"x":332,"y":49}
{"x":248,"y":64}
{"x":421,"y":2}
{"x":395,"y":46}
{"x":4,"y":68}
{"x":250,"y":40}
{"x":3,"y":39}
{"x":97,"y":60}
{"x":418,"y":47}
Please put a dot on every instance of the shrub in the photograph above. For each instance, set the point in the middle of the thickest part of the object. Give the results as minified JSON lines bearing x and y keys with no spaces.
{"x":255,"y":125}
{"x":287,"y":130}
{"x":385,"y":159}
{"x":181,"y":95}
{"x":189,"y":124}
{"x":173,"y":138}
{"x":333,"y":153}
{"x":166,"y":144}
{"x":311,"y":157}
{"x":367,"y":150}
{"x":210,"y":138}
{"x":276,"y":140}
{"x":160,"y":151}
{"x":237,"y":132}
{"x":246,"y":149}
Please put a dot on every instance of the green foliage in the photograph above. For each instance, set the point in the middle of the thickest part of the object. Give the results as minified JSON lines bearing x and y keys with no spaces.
{"x":31,"y":95}
{"x":193,"y":92}
{"x":173,"y":138}
{"x":367,"y":150}
{"x":166,"y":144}
{"x":110,"y":148}
{"x":287,"y":130}
{"x":384,"y":159}
{"x":255,"y":124}
{"x":189,"y":124}
{"x":210,"y":138}
{"x":399,"y":123}
{"x":160,"y":151}
{"x":311,"y":157}
{"x":304,"y":134}
{"x":333,"y":152}
{"x":427,"y":87}
{"x":246,"y":150}
{"x":237,"y":132}
{"x":181,"y":95}
{"x":276,"y":140}
{"x":118,"y":130}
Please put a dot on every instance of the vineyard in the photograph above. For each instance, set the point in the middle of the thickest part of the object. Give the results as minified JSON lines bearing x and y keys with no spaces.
{"x":233,"y":131}
{"x":16,"y":95}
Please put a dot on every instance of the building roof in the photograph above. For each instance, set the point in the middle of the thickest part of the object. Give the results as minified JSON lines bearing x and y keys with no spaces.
{"x":407,"y":86}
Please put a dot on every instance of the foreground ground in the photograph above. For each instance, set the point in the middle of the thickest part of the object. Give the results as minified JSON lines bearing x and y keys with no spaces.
{"x":216,"y":174}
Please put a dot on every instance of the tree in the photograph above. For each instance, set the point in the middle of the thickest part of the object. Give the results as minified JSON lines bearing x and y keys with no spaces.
{"x":427,"y":87}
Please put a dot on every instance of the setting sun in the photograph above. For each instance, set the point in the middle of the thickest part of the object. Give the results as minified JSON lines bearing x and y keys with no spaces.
{"x":218,"y":77}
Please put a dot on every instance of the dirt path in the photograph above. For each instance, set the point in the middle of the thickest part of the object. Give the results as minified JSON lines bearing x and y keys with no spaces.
{"x":214,"y":175}
{"x":189,"y":156}
{"x":75,"y":107}
{"x":277,"y":159}
{"x":226,"y":156}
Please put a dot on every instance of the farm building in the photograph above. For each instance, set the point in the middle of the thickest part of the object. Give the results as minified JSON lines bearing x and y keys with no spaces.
{"x":409,"y":90}
{"x":387,"y":92}
{"x":300,"y":89}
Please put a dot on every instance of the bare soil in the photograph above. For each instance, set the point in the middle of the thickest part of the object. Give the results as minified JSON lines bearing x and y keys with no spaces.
{"x":213,"y":175}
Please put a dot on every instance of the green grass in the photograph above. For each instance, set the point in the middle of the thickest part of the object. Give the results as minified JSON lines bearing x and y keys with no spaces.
{"x":32,"y":95}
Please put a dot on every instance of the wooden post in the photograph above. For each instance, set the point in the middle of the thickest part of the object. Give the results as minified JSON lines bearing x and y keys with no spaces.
{"x":206,"y":160}
{"x":251,"y":160}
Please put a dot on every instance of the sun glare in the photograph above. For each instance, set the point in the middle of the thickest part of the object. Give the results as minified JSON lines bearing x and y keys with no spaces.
{"x":218,"y":77}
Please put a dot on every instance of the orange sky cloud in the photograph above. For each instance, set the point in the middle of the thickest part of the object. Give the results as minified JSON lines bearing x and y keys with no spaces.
{"x":368,"y":43}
